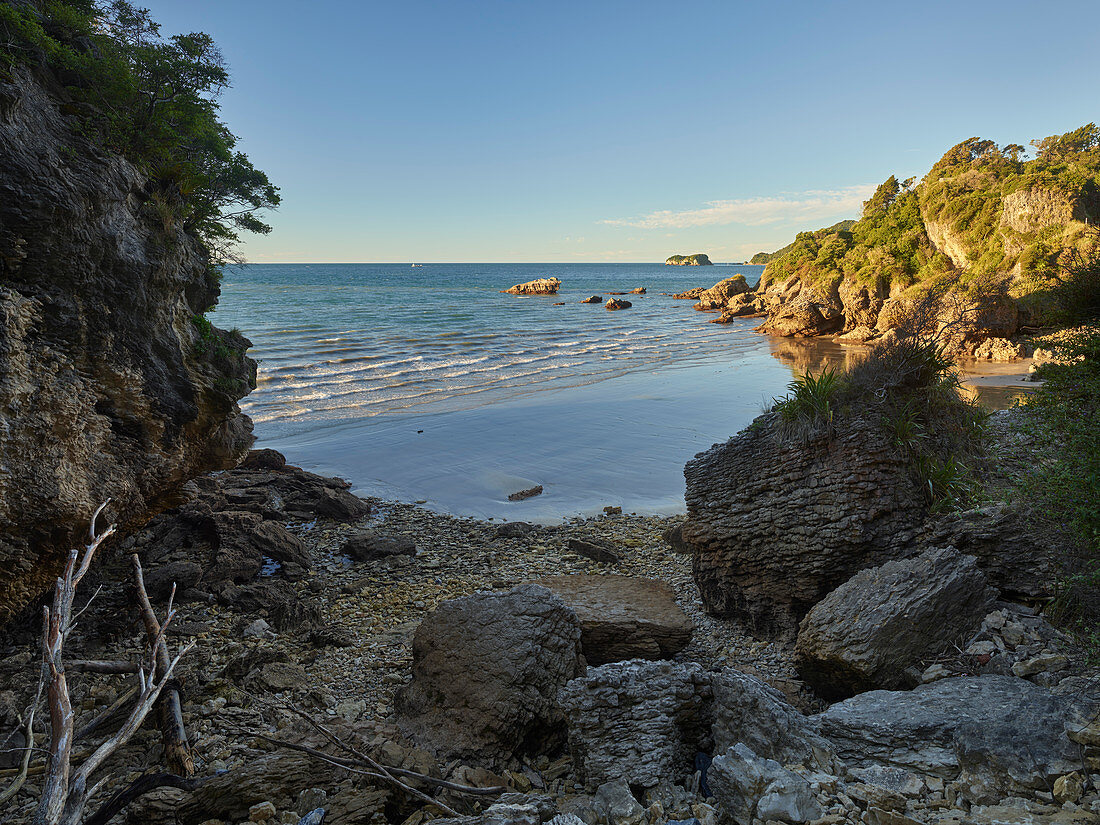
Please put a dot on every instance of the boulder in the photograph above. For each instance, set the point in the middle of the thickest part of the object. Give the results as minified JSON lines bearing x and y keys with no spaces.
{"x":265,"y":459}
{"x":750,"y":788}
{"x":637,"y":721}
{"x":803,"y":319}
{"x":615,"y":303}
{"x":720,"y":294}
{"x":776,"y":525}
{"x":371,"y":545}
{"x":994,"y":734}
{"x":745,"y":305}
{"x":748,"y":711}
{"x":514,"y":530}
{"x":999,"y":349}
{"x":595,"y":299}
{"x":539,"y":286}
{"x":486,"y":673}
{"x":638,"y":290}
{"x":691,"y":294}
{"x":674,"y":538}
{"x":614,"y":804}
{"x":160,"y":580}
{"x":876,"y":629}
{"x":594,"y":549}
{"x":623,"y":617}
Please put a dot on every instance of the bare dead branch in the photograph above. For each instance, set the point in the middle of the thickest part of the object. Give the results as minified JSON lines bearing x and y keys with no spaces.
{"x":177,"y":750}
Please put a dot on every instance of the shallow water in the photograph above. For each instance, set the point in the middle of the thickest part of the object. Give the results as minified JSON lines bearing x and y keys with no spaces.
{"x":429,"y":384}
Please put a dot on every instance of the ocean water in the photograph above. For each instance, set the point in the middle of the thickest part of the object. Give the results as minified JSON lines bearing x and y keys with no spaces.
{"x":428,"y":384}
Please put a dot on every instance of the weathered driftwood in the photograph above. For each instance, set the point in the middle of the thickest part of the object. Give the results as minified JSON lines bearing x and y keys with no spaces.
{"x":177,"y":751}
{"x":66,"y":788}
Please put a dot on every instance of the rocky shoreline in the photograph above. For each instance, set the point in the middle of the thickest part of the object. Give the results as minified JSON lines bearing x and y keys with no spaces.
{"x":307,"y":600}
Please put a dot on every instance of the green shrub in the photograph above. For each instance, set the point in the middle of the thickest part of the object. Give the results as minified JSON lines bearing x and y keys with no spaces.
{"x":809,"y":403}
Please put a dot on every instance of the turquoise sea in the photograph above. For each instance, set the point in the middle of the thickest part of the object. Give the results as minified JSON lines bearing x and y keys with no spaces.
{"x":428,"y":384}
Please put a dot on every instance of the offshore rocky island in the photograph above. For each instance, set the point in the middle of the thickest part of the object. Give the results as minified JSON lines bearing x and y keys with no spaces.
{"x":880,"y":607}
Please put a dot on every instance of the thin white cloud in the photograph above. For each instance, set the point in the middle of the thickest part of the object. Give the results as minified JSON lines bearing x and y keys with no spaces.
{"x":814,"y":204}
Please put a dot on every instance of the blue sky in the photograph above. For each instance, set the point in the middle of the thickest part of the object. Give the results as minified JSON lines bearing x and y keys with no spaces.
{"x":594,"y":131}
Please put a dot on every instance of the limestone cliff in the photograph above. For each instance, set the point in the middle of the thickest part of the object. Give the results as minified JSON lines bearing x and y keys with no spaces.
{"x":112,"y":382}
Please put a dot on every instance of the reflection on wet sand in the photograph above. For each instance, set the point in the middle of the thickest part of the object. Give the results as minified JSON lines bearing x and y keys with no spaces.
{"x":996,"y":386}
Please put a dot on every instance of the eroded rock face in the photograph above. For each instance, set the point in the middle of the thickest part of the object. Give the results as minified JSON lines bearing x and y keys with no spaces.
{"x":777,"y":525}
{"x":111,"y":383}
{"x":639,"y":721}
{"x":486,"y":673}
{"x":623,"y":617}
{"x":876,"y":628}
{"x":750,"y":788}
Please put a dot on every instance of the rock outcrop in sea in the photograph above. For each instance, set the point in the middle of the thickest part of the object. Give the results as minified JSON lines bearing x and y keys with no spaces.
{"x":698,"y":259}
{"x":539,"y":286}
{"x":112,"y":382}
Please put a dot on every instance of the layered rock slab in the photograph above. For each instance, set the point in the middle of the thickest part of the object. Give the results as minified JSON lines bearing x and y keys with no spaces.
{"x":775,"y":524}
{"x":486,"y":673}
{"x":876,"y":628}
{"x":994,"y":734}
{"x":623,"y":617}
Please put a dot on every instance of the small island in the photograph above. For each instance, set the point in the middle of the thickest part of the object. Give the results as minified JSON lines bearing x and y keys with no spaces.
{"x":698,"y":259}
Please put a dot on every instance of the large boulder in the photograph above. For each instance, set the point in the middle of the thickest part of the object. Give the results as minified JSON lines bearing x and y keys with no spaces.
{"x":993,"y":734}
{"x":640,"y":721}
{"x":750,"y":788}
{"x":776,"y":523}
{"x":113,"y":385}
{"x":539,"y":286}
{"x":722,"y":292}
{"x":486,"y":673}
{"x":804,"y":318}
{"x":623,"y":617}
{"x":876,"y":628}
{"x":746,"y":710}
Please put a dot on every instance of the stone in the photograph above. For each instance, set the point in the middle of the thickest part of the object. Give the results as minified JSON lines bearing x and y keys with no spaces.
{"x":530,"y":492}
{"x":636,"y":722}
{"x":595,"y":299}
{"x":615,"y":303}
{"x":486,"y":673}
{"x":283,"y":676}
{"x":896,"y":780}
{"x":370,"y":545}
{"x":673,"y":537}
{"x":160,"y":579}
{"x":875,"y":628}
{"x":258,"y":629}
{"x":999,"y":349}
{"x":720,"y":294}
{"x":749,"y":787}
{"x":994,"y":734}
{"x":593,"y":549}
{"x":934,"y":672}
{"x":623,"y":617}
{"x":748,"y":711}
{"x":310,"y":798}
{"x":264,"y":459}
{"x":340,"y":505}
{"x":1069,"y":788}
{"x":616,"y":805}
{"x":1044,"y":663}
{"x":261,"y":812}
{"x":539,"y":286}
{"x":514,"y":530}
{"x":776,"y":526}
{"x":803,"y":318}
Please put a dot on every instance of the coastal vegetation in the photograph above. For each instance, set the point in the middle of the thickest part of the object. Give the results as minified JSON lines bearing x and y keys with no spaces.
{"x":154,"y":100}
{"x":981,"y":209}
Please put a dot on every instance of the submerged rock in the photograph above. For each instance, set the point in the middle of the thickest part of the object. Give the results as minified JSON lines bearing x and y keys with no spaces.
{"x":875,"y":629}
{"x":486,"y":673}
{"x":623,"y":617}
{"x":615,"y":303}
{"x":595,"y":299}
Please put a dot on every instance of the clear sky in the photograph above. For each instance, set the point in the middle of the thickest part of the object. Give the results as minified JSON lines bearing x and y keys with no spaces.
{"x":603,"y":131}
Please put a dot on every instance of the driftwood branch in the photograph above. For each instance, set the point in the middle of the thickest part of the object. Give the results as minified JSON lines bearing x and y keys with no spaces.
{"x":177,"y":750}
{"x":65,"y":788}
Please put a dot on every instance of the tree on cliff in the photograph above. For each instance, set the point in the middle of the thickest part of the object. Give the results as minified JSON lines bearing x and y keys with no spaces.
{"x":151,"y":99}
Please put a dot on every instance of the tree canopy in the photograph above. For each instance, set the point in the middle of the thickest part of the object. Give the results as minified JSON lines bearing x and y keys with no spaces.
{"x":151,"y":99}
